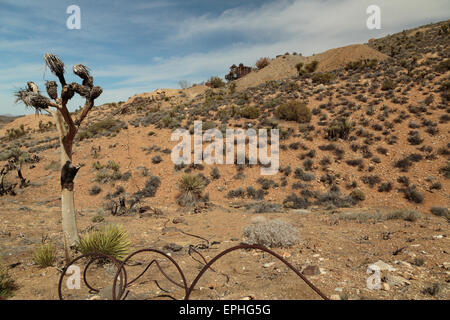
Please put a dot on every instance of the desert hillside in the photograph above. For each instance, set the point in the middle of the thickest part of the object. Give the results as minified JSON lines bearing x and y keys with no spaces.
{"x":364,"y":168}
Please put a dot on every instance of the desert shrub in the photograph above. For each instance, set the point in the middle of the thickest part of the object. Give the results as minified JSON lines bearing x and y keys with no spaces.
{"x":371,"y":180}
{"x":7,"y":284}
{"x":305,"y":176}
{"x":436,"y":186}
{"x":443,"y":66}
{"x":308,"y":164}
{"x":215,"y":174}
{"x":97,"y":165}
{"x":114,"y":166}
{"x":295,"y":202}
{"x":266,"y":183}
{"x":407,"y":215}
{"x":299,"y":66}
{"x":445,"y":170}
{"x":273,"y":234}
{"x":216,"y":82}
{"x":262,"y":62}
{"x":339,"y":129}
{"x":403,"y":164}
{"x":251,"y":191}
{"x":358,"y":195}
{"x":104,"y":127}
{"x":191,"y":187}
{"x":385,"y":187}
{"x":335,"y":199}
{"x":156,"y":159}
{"x":111,"y":240}
{"x":263,"y":207}
{"x":238,"y":193}
{"x":150,"y":188}
{"x":412,"y":194}
{"x":361,"y":217}
{"x":286,"y":170}
{"x":441,"y":212}
{"x":45,"y":255}
{"x":14,"y":133}
{"x":354,"y":162}
{"x":323,"y":78}
{"x":95,"y":190}
{"x":387,"y":84}
{"x":414,"y":137}
{"x":312,"y":66}
{"x":249,"y":112}
{"x":294,"y":111}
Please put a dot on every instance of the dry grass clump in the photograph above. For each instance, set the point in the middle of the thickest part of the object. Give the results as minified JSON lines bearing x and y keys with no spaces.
{"x":7,"y":284}
{"x":111,"y":240}
{"x":407,"y":215}
{"x":262,"y":62}
{"x":441,"y":212}
{"x":45,"y":255}
{"x":273,"y":234}
{"x":359,"y":216}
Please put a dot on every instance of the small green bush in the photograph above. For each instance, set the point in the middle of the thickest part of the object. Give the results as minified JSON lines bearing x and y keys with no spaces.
{"x":111,"y":240}
{"x":294,"y":111}
{"x":387,"y":84}
{"x":323,"y":78}
{"x":45,"y":255}
{"x":216,"y":82}
{"x":339,"y":129}
{"x":12,"y":134}
{"x":249,"y":112}
{"x":312,"y":66}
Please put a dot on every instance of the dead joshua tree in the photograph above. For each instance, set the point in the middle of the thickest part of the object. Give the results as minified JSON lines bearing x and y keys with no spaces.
{"x":67,"y":128}
{"x":13,"y":164}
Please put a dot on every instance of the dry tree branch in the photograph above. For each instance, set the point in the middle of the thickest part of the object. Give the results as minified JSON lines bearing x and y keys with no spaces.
{"x":56,"y":66}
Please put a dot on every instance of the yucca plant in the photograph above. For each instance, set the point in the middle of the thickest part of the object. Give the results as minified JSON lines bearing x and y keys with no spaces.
{"x":191,"y":187}
{"x":111,"y":240}
{"x":45,"y":255}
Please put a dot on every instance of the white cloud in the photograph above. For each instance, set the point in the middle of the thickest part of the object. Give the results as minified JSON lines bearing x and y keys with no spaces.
{"x":304,"y":26}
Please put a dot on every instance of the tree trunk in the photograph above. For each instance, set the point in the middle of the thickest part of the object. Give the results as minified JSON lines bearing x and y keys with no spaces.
{"x":69,"y":221}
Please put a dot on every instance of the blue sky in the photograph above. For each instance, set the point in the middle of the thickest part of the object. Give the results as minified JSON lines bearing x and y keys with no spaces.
{"x":138,"y":46}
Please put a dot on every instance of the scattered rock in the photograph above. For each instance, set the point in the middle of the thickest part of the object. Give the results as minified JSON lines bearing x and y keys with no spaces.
{"x":178,"y":220}
{"x":172,"y":247}
{"x":311,"y":271}
{"x":395,"y":280}
{"x":383,"y":266}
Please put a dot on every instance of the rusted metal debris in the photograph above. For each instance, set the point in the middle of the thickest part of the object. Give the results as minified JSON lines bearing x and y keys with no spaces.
{"x":121,"y":282}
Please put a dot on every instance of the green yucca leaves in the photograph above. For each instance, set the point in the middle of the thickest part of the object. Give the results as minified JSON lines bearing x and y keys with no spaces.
{"x":111,"y":240}
{"x":45,"y":255}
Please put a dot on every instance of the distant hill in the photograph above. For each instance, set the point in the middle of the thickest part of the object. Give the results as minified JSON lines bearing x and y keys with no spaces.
{"x":4,"y":120}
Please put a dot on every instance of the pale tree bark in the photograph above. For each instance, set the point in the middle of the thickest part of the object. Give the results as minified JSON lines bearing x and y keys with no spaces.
{"x":68,"y":213}
{"x":67,"y":129}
